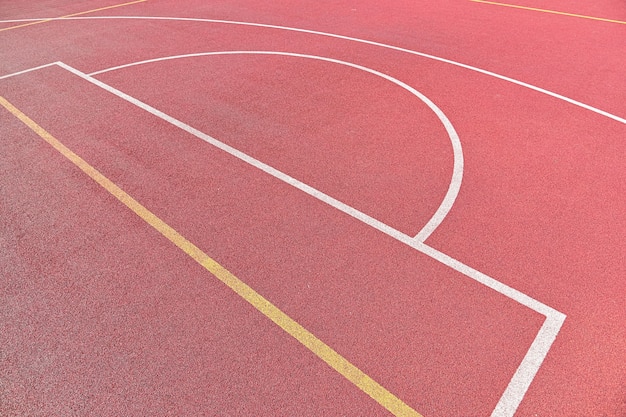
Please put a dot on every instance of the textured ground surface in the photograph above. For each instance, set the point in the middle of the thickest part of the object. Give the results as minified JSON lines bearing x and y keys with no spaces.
{"x":101,"y":315}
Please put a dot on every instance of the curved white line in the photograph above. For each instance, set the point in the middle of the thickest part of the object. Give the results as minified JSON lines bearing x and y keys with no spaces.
{"x":348,"y":38}
{"x":457,"y":171}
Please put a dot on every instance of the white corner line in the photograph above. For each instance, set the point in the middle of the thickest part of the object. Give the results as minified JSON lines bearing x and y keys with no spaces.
{"x":532,"y":361}
{"x":528,"y":368}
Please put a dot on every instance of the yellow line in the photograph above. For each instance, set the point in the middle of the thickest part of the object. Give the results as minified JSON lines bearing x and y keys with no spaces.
{"x":72,"y":15}
{"x":550,"y":11}
{"x":315,"y":345}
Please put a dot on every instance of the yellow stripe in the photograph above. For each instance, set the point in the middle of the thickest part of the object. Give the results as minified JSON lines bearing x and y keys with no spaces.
{"x":315,"y":345}
{"x":72,"y":15}
{"x":550,"y":11}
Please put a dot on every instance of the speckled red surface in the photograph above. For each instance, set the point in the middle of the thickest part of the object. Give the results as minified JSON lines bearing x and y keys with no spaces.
{"x":100,"y":315}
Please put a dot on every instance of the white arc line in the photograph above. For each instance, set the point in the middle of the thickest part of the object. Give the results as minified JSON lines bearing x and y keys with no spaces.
{"x":457,"y":171}
{"x":348,"y":38}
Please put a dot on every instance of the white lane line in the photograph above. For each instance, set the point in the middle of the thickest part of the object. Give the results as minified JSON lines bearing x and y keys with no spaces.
{"x":526,"y":371}
{"x":457,"y":171}
{"x":348,"y":38}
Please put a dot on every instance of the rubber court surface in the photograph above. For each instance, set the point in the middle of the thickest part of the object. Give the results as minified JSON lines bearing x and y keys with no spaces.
{"x":312,"y":208}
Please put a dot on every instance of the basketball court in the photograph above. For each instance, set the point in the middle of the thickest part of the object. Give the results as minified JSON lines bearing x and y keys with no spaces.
{"x":312,"y":209}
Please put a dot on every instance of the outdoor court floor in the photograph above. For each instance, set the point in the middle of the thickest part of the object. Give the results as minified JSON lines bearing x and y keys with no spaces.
{"x":290,"y":208}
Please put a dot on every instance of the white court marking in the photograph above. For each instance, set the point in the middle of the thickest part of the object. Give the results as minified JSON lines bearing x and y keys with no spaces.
{"x":521,"y":380}
{"x":348,"y":38}
{"x":528,"y":368}
{"x":457,"y":170}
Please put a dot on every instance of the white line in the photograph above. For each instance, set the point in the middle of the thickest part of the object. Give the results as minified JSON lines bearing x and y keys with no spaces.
{"x":523,"y":377}
{"x":457,"y":150}
{"x":526,"y":371}
{"x":25,"y":71}
{"x":528,"y":368}
{"x":246,"y":158}
{"x":348,"y":38}
{"x":486,"y":280}
{"x":24,"y":20}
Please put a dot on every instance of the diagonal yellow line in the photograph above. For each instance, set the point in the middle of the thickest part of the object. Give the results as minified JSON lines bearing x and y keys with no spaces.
{"x":72,"y":15}
{"x":550,"y":11}
{"x":340,"y":364}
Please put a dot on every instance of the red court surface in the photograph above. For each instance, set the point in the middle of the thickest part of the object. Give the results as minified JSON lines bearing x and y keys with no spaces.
{"x":426,"y":202}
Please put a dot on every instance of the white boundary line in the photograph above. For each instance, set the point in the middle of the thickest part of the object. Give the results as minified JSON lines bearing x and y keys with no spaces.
{"x":348,"y":38}
{"x":457,"y":150}
{"x":528,"y":368}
